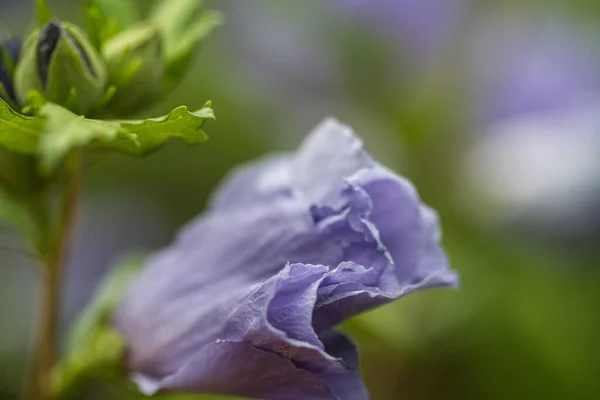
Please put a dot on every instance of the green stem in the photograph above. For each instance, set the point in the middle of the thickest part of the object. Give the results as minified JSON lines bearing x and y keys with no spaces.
{"x":46,"y":334}
{"x":57,"y":244}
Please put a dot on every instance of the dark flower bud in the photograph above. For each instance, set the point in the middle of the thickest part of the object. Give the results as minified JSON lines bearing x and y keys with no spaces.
{"x":10,"y":49}
{"x":59,"y":62}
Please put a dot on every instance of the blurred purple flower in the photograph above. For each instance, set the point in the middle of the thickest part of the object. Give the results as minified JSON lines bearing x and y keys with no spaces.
{"x":537,"y":82}
{"x":541,"y":169}
{"x":526,"y":65}
{"x":245,"y":300}
{"x":424,"y":26}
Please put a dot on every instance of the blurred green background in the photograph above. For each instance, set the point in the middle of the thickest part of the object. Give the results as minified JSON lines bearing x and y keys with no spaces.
{"x":492,"y":108}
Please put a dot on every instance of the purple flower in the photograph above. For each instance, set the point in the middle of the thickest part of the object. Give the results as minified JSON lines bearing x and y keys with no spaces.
{"x":245,"y":300}
{"x":525,"y":65}
{"x":425,"y":26}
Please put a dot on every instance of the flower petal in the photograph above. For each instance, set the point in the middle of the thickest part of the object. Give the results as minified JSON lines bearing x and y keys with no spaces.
{"x":277,"y":318}
{"x":289,"y":248}
{"x":254,"y":182}
{"x":180,"y":298}
{"x":330,"y":153}
{"x":350,"y":386}
{"x":239,"y":368}
{"x":314,"y":174}
{"x":271,"y":325}
{"x":408,"y":229}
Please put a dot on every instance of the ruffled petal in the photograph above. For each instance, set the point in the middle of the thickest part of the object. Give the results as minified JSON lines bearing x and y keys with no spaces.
{"x":271,"y":324}
{"x":277,"y":317}
{"x":330,"y":153}
{"x":178,"y":301}
{"x":408,"y":229}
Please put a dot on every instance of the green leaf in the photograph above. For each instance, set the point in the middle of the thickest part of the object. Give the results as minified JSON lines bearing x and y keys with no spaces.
{"x":181,"y":53}
{"x":183,"y":24}
{"x":43,"y":12}
{"x":124,"y":12}
{"x":94,"y":347}
{"x":65,"y":131}
{"x":19,"y":133}
{"x":107,"y":297}
{"x":107,"y":18}
{"x":152,"y":133}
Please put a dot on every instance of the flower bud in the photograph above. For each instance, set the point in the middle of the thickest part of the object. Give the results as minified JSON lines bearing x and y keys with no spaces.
{"x":135,"y":67}
{"x":10,"y":49}
{"x":59,"y":62}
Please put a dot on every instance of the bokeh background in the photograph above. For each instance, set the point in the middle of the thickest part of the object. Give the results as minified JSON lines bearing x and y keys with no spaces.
{"x":491,"y":107}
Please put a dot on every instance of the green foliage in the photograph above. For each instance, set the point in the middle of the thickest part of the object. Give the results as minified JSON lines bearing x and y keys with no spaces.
{"x":108,"y":18}
{"x":124,"y":12}
{"x":60,"y":131}
{"x":183,"y":24}
{"x":19,"y":133}
{"x":65,"y":131}
{"x":135,"y":67}
{"x":153,"y":133}
{"x":94,"y":347}
{"x":43,"y":12}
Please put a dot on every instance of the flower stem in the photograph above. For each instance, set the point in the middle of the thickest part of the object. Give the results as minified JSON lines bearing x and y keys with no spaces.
{"x":46,"y":335}
{"x":49,"y":299}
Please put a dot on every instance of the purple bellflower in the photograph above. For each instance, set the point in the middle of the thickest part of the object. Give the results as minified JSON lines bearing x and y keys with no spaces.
{"x":246,"y":299}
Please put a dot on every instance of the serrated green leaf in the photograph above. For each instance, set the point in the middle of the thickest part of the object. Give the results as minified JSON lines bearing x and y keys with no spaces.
{"x":18,"y":132}
{"x":65,"y":131}
{"x":153,"y":133}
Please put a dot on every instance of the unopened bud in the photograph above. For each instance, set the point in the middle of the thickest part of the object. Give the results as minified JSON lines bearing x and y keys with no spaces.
{"x":135,"y":67}
{"x":59,"y":62}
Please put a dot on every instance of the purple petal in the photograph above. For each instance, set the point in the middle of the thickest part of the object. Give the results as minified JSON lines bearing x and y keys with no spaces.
{"x":241,"y":369}
{"x":329,"y":154}
{"x":273,"y":318}
{"x":212,"y":266}
{"x":349,"y":387}
{"x":254,"y":182}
